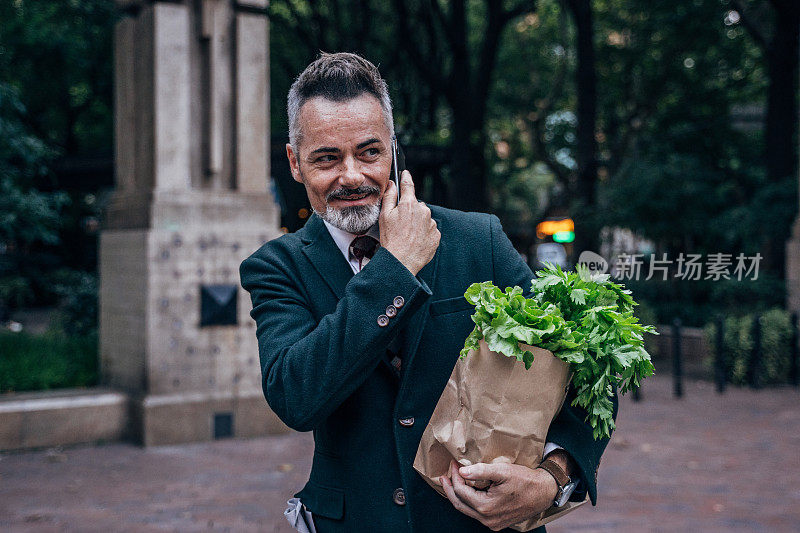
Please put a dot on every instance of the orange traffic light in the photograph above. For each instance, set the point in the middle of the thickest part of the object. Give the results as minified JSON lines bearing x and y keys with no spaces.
{"x":551,"y":227}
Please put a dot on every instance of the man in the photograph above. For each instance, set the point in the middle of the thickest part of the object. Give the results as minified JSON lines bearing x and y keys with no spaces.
{"x":361,"y":317}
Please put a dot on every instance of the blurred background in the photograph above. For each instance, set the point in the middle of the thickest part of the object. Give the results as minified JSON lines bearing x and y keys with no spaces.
{"x":647,"y":127}
{"x":675,"y":120}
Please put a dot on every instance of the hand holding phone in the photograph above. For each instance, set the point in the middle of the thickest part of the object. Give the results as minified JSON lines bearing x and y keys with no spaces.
{"x":407,"y":229}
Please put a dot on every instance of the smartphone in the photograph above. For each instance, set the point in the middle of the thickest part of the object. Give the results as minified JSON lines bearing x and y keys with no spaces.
{"x":398,"y":164}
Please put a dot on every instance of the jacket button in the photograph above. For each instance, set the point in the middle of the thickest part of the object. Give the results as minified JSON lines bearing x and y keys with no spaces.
{"x":391,"y":311}
{"x":399,"y":301}
{"x":399,"y":497}
{"x":407,"y":422}
{"x":383,"y":321}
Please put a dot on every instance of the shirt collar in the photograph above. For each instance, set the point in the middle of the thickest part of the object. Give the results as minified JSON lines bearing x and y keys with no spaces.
{"x":343,"y":238}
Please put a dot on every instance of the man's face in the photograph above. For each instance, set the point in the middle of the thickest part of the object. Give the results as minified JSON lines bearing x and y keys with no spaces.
{"x":344,"y":159}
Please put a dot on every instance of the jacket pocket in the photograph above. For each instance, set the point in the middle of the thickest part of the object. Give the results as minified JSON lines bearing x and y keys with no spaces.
{"x":323,"y":501}
{"x":450,"y":305}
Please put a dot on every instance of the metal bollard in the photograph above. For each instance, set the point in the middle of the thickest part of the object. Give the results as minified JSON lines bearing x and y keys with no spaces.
{"x":794,"y":370}
{"x":677,"y":370}
{"x":719,"y":360}
{"x":754,"y":369}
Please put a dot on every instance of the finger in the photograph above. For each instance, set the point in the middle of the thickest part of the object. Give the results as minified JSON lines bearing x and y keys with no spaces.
{"x":493,"y":472}
{"x":478,"y":484}
{"x":457,"y":503}
{"x":407,"y":187}
{"x":389,"y":199}
{"x":471,"y":497}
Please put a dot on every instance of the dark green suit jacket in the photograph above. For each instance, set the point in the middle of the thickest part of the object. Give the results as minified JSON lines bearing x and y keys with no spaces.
{"x":325,"y":368}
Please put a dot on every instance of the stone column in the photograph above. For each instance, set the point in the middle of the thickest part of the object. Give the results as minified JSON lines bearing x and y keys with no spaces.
{"x":192,"y":201}
{"x":170,"y":95}
{"x":252,"y":93}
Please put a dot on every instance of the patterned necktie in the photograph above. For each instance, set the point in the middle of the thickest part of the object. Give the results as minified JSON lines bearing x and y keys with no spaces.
{"x":363,"y":246}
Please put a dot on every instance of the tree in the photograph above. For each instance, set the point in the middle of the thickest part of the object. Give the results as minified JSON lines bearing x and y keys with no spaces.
{"x":675,"y":166}
{"x":775,"y":26}
{"x":58,"y":55}
{"x":582,"y":189}
{"x":460,"y":67}
{"x":28,"y":217}
{"x":449,"y":49}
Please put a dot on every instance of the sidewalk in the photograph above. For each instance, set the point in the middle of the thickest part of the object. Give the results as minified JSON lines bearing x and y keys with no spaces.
{"x":707,"y":462}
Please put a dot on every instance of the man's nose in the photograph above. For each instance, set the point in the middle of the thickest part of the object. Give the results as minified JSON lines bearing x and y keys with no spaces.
{"x":350,"y":176}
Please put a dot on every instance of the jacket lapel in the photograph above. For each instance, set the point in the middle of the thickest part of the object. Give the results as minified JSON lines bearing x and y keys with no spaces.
{"x":326,"y":257}
{"x":328,"y":260}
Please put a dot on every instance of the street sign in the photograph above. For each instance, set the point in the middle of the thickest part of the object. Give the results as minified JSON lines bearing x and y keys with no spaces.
{"x":551,"y":252}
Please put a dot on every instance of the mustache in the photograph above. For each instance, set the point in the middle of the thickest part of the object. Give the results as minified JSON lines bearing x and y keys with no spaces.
{"x":342,"y":192}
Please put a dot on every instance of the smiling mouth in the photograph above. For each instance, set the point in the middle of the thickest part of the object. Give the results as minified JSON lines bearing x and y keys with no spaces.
{"x":353,"y":197}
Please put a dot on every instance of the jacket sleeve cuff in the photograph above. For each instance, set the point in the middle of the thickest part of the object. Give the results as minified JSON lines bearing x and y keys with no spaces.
{"x":386,"y":271}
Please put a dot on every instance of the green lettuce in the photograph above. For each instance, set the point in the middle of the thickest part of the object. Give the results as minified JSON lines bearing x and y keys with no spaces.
{"x":585,"y":319}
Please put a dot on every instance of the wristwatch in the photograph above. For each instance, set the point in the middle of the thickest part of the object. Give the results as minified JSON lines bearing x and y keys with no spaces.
{"x":565,"y":485}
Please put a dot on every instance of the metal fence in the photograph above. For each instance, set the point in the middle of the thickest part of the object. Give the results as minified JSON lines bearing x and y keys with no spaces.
{"x":685,"y":348}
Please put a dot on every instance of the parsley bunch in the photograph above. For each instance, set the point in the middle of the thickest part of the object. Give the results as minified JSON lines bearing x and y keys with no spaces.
{"x":585,"y":319}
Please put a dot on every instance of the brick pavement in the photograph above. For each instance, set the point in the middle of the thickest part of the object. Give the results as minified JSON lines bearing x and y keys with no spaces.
{"x":703,"y":463}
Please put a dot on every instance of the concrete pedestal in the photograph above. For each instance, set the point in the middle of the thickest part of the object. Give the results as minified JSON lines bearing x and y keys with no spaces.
{"x":178,"y":373}
{"x":192,"y":201}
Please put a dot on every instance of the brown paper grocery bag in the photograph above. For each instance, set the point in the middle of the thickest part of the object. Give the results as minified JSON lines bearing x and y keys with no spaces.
{"x":493,"y":410}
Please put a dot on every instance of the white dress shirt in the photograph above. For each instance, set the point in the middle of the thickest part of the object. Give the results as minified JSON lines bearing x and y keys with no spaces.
{"x":343,"y":239}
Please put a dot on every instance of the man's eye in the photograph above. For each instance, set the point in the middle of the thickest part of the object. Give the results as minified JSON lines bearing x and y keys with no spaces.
{"x":371,"y":152}
{"x":326,"y":158}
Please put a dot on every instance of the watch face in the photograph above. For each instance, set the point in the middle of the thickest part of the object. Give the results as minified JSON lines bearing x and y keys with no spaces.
{"x":564,"y":493}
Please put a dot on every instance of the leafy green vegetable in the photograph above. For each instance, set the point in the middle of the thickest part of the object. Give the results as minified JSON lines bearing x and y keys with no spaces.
{"x":584,"y":318}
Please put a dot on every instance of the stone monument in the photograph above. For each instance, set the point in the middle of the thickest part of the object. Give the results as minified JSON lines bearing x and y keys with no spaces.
{"x":192,"y":200}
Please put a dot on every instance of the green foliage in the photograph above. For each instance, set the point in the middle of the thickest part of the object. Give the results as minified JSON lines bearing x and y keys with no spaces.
{"x":522,"y":194}
{"x":695,"y":301}
{"x":670,"y":76}
{"x":583,"y":318}
{"x":78,"y":307}
{"x":776,"y":342}
{"x":59,"y":55}
{"x":16,"y":290}
{"x":680,"y":169}
{"x":504,"y":319}
{"x":56,"y":81}
{"x":48,"y":361}
{"x":27,"y":216}
{"x":674,"y":164}
{"x":647,"y":315}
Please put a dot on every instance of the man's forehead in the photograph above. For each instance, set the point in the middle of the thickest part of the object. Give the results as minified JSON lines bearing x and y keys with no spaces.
{"x":365,"y":103}
{"x":345,"y":121}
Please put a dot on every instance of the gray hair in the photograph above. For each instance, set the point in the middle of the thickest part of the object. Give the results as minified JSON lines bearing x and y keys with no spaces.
{"x":338,"y":77}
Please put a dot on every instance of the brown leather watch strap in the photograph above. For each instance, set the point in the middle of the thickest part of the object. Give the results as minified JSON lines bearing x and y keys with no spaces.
{"x":556,"y":471}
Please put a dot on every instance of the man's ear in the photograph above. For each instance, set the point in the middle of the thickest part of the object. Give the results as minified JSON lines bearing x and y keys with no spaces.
{"x":293,"y":164}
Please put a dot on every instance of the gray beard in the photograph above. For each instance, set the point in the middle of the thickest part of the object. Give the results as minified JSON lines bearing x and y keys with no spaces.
{"x":356,"y":219}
